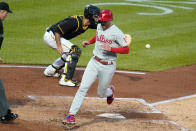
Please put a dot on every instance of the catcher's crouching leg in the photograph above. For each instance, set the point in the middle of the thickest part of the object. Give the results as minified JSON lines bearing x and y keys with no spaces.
{"x":70,"y":65}
{"x":52,"y":71}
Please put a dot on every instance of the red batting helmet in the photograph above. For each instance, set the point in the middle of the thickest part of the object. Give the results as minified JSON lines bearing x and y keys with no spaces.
{"x":105,"y":15}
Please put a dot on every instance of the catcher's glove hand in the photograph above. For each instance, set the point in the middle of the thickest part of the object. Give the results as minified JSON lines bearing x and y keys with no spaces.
{"x":75,"y":49}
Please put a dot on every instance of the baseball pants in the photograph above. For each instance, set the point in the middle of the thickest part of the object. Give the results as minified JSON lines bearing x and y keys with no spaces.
{"x":49,"y":39}
{"x":94,"y":70}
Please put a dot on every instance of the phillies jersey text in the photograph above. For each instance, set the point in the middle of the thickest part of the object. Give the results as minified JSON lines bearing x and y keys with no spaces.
{"x":113,"y":36}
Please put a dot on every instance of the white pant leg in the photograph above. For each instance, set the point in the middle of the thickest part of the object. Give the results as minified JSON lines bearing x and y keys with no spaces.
{"x":49,"y":39}
{"x":105,"y":75}
{"x":89,"y":76}
{"x":66,"y":44}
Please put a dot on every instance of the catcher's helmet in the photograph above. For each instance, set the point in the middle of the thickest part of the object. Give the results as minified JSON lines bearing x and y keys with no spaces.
{"x":105,"y":15}
{"x":91,"y":11}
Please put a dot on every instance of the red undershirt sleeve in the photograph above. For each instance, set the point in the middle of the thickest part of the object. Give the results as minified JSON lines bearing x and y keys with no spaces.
{"x":121,"y":50}
{"x":92,"y":40}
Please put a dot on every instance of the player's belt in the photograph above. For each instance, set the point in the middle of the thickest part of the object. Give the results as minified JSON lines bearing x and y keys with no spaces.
{"x":48,"y":29}
{"x":103,"y":62}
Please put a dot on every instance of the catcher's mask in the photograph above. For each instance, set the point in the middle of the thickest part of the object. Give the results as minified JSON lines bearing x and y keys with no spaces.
{"x":91,"y":12}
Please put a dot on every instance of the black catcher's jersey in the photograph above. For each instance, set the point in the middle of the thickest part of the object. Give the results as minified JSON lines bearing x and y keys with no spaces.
{"x":71,"y":27}
{"x":1,"y":33}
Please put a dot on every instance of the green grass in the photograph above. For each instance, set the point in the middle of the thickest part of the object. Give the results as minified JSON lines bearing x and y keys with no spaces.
{"x":172,"y":36}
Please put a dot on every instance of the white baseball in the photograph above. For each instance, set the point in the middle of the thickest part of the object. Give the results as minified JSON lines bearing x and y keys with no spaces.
{"x":147,"y":46}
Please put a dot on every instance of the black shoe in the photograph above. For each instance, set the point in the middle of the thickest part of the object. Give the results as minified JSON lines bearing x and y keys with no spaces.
{"x":8,"y":117}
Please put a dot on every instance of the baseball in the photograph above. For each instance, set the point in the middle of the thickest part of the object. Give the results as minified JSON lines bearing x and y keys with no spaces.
{"x":147,"y":46}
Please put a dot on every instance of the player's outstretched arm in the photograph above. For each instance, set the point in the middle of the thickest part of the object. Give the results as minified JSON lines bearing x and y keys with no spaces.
{"x":91,"y":41}
{"x":121,"y":50}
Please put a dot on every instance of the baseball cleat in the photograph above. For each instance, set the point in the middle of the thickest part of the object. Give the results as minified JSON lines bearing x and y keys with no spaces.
{"x":110,"y":98}
{"x":69,"y":120}
{"x":67,"y":82}
{"x":8,"y":117}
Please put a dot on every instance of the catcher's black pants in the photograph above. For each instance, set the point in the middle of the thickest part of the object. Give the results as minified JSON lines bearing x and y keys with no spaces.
{"x":3,"y":101}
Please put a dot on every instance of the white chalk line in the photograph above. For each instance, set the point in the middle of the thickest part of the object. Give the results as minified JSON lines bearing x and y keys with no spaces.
{"x":173,"y":123}
{"x":173,"y":100}
{"x":78,"y":68}
{"x":165,"y":10}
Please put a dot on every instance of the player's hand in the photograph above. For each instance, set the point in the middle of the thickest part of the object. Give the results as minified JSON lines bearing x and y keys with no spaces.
{"x":106,"y":46}
{"x":85,"y":43}
{"x":60,"y":50}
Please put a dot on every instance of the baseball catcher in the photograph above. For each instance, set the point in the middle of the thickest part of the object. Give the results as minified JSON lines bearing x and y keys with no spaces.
{"x":57,"y":37}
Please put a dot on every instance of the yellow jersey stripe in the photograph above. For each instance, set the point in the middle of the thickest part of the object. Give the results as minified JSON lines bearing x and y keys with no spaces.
{"x":83,"y":26}
{"x":78,"y":23}
{"x":61,"y":29}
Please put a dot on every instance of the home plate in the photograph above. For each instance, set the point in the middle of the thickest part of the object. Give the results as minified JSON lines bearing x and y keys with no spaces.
{"x":112,"y":115}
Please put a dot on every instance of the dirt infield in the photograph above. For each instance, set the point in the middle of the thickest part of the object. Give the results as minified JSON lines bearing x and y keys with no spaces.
{"x":153,"y":101}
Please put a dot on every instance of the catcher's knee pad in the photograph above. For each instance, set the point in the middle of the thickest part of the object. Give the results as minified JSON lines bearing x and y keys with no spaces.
{"x":49,"y":71}
{"x":75,"y":49}
{"x":75,"y":57}
{"x":53,"y":71}
{"x":64,"y":57}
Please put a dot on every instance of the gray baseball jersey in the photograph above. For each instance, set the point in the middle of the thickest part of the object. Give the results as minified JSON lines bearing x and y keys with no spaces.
{"x":114,"y":36}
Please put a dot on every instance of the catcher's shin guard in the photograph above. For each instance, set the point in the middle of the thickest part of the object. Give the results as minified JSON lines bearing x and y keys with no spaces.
{"x":70,"y":65}
{"x":72,"y":62}
{"x":71,"y":69}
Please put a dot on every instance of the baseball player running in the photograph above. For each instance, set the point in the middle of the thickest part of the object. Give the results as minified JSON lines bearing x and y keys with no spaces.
{"x":109,"y":41}
{"x":57,"y":37}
